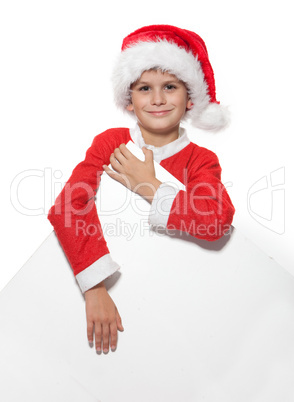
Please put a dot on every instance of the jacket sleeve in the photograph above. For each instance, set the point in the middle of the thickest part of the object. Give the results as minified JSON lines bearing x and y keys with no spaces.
{"x":204,"y":209}
{"x":75,"y":219}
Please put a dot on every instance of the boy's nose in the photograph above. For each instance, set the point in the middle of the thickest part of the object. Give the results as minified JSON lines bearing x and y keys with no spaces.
{"x":158,"y":98}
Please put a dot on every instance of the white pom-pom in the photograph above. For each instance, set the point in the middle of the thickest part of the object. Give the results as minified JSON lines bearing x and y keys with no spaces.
{"x":214,"y":117}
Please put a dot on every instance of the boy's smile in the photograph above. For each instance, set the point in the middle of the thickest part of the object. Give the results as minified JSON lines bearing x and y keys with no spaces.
{"x":159,"y":101}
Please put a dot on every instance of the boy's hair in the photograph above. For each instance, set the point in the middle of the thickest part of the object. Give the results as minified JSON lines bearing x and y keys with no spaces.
{"x":179,"y":52}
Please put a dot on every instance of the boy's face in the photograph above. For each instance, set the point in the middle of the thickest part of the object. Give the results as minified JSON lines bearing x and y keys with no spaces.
{"x":159,"y":101}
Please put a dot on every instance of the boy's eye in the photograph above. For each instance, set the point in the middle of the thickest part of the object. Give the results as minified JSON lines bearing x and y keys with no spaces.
{"x":144,"y":88}
{"x":169,"y":87}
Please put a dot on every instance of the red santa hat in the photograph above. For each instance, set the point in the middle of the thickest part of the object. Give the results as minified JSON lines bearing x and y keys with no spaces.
{"x":179,"y":52}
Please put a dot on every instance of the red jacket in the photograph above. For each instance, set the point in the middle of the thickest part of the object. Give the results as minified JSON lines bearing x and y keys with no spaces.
{"x":204,"y":210}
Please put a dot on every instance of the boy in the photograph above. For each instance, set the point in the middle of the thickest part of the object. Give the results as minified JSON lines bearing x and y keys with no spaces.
{"x":163,"y":75}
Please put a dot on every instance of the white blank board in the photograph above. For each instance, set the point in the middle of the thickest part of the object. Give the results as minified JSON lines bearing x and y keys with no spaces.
{"x":203,"y":321}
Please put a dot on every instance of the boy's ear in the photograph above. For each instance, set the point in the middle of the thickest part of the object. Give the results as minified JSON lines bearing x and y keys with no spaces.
{"x":189,"y":104}
{"x":130,"y":107}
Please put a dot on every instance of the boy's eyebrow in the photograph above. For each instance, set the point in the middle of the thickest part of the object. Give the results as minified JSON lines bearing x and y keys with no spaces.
{"x":174,"y":81}
{"x":140,"y":83}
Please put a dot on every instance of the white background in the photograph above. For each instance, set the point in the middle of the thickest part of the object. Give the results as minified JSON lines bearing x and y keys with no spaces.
{"x":56,"y":95}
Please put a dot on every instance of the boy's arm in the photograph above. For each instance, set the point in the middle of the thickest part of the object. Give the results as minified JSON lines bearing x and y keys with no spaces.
{"x":77,"y":226}
{"x":74,"y":215}
{"x":204,"y":210}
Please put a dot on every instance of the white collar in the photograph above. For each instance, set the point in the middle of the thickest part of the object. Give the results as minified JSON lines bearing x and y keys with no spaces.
{"x":164,"y":152}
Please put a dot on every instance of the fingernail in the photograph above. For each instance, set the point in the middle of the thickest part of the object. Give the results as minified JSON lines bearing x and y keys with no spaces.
{"x":105,"y":350}
{"x":113,"y":348}
{"x":91,"y":344}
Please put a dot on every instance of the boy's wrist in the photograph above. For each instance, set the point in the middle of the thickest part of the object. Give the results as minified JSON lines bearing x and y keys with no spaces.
{"x":148,"y":190}
{"x":99,"y":285}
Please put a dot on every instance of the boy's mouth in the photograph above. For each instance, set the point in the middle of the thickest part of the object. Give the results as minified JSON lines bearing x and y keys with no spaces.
{"x":159,"y":112}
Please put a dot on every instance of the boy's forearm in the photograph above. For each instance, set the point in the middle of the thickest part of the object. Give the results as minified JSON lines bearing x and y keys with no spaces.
{"x":148,"y":190}
{"x":99,"y":285}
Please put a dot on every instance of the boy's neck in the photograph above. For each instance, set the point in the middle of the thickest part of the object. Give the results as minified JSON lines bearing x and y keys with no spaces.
{"x":159,"y":139}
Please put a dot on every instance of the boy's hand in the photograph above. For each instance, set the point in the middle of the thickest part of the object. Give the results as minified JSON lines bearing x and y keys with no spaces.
{"x":136,"y":175}
{"x":102,"y":318}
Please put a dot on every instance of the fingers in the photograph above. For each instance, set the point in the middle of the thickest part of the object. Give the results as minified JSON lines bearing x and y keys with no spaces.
{"x":102,"y":336}
{"x":122,"y":154}
{"x":90,"y":327}
{"x":119,"y":154}
{"x":119,"y":321}
{"x":116,"y":161}
{"x":111,"y":173}
{"x":105,"y":335}
{"x":113,"y":336}
{"x":98,"y":334}
{"x":121,"y":178}
{"x":117,"y":325}
{"x":125,"y":151}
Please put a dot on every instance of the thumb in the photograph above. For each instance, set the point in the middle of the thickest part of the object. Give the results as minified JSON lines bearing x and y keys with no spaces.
{"x":118,"y":321}
{"x":148,"y":154}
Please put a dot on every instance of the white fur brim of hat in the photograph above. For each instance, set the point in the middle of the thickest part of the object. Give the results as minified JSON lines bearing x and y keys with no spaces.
{"x":142,"y":56}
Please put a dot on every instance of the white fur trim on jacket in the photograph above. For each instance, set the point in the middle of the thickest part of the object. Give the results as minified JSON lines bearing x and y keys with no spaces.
{"x":142,"y":56}
{"x":165,"y":151}
{"x":161,"y":205}
{"x":97,"y":272}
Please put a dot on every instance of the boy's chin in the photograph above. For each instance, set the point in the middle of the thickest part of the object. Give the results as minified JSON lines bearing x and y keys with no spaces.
{"x":158,"y":127}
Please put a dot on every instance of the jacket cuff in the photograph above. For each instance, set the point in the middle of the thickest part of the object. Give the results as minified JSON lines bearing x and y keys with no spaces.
{"x":96,"y":272}
{"x":162,"y":204}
